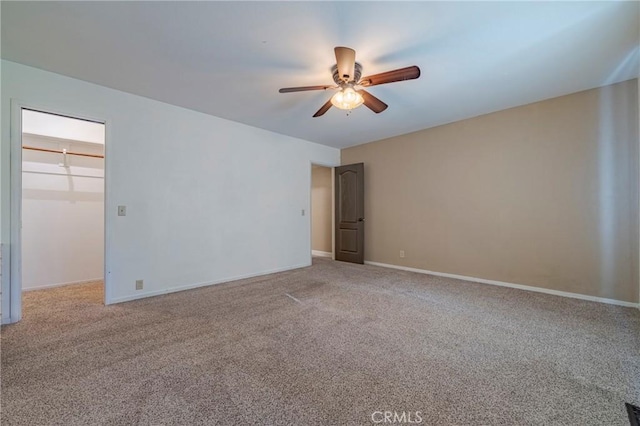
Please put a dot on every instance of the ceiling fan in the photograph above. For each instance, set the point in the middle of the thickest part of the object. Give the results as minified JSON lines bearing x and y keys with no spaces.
{"x":346,"y":74}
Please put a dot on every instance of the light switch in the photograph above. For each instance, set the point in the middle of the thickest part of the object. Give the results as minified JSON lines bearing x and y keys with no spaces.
{"x":302,"y":212}
{"x":122,"y":210}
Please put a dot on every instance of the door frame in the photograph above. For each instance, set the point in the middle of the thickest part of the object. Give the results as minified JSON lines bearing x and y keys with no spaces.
{"x":333,"y":208}
{"x":12,"y":299}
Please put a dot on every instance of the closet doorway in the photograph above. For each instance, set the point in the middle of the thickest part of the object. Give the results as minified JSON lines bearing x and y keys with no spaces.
{"x":321,"y":211}
{"x":62,"y":211}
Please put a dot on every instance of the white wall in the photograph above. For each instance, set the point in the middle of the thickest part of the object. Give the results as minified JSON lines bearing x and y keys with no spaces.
{"x":208,"y":200}
{"x":56,"y":126}
{"x":62,"y":216}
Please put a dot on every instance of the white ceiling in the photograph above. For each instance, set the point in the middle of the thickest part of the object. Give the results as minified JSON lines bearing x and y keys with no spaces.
{"x":59,"y":127}
{"x":229,"y":59}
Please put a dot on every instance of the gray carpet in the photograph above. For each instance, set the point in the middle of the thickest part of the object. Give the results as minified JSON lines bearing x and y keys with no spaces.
{"x":329,"y":345}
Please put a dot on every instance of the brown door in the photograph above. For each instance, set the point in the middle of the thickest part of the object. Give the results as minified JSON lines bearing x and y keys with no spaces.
{"x":350,"y":213}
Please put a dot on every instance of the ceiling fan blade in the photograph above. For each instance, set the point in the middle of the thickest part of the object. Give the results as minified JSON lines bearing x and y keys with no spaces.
{"x":346,"y":62}
{"x":408,"y":73}
{"x":373,"y":103}
{"x":304,"y":88}
{"x":323,"y":109}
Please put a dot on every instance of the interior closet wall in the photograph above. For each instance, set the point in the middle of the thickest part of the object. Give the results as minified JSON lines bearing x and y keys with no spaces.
{"x":62,"y":214}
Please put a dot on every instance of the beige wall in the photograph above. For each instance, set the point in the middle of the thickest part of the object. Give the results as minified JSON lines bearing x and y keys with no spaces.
{"x":543,"y":195}
{"x":321,"y":208}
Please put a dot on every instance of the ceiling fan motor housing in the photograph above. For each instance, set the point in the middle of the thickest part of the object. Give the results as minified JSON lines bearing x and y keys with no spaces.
{"x":350,"y":79}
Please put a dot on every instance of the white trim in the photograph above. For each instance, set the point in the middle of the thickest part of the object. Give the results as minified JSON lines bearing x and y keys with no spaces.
{"x":42,"y":287}
{"x":203,"y":284}
{"x":333,"y":212}
{"x":321,"y":253}
{"x":15,"y":249}
{"x":510,"y":285}
{"x":5,"y":277}
{"x":55,"y":139}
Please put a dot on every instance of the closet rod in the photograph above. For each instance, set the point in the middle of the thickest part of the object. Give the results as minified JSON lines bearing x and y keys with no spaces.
{"x":61,"y":152}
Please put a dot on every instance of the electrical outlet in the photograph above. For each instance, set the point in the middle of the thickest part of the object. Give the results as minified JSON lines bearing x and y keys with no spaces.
{"x":303,"y":212}
{"x":122,"y":210}
{"x":402,"y":253}
{"x":139,"y":284}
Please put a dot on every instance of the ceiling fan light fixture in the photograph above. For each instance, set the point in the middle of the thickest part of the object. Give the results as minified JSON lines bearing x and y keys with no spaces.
{"x":347,"y":99}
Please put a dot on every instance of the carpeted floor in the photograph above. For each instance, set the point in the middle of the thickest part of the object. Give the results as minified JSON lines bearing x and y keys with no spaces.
{"x":331,"y":344}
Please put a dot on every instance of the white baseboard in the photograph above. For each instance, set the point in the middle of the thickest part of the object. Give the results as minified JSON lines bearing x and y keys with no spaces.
{"x":42,"y":287}
{"x":321,"y":253}
{"x":197,"y":285}
{"x":511,"y":285}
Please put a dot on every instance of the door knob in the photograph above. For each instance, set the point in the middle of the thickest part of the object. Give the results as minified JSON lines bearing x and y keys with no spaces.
{"x":361,"y":219}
